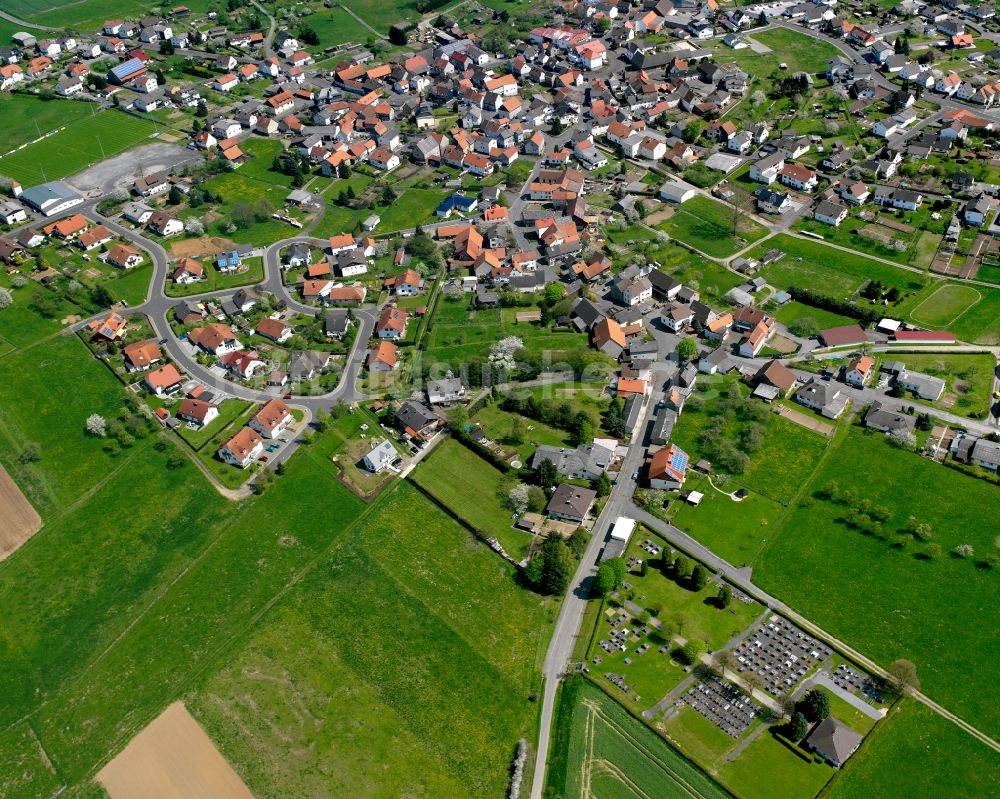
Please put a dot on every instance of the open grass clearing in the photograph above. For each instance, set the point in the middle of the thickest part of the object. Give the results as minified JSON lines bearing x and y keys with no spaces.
{"x":57,"y":386}
{"x":229,"y":410}
{"x":215,"y":280}
{"x":707,"y":225}
{"x":816,"y":266}
{"x":916,"y":752}
{"x":498,"y":425}
{"x":358,"y":668}
{"x":945,"y":304}
{"x":888,"y":602}
{"x":766,"y":769}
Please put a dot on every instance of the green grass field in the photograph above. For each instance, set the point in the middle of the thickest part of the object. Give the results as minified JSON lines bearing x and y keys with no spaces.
{"x":498,"y":424}
{"x":57,"y":386}
{"x":945,"y":304}
{"x":599,"y":750}
{"x":83,"y":142}
{"x":887,"y":602}
{"x":214,"y":279}
{"x":360,"y":667}
{"x":916,"y":752}
{"x":26,"y":117}
{"x":457,"y":477}
{"x":792,"y":311}
{"x":713,"y":280}
{"x":707,"y":225}
{"x":235,"y":187}
{"x":766,"y":769}
{"x":83,"y":16}
{"x":813,"y":265}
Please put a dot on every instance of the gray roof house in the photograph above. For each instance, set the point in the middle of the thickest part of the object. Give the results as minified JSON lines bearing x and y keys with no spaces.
{"x":570,"y":502}
{"x":823,"y":397}
{"x":924,"y":386}
{"x":450,"y":389}
{"x":888,"y":421}
{"x":986,"y":454}
{"x":380,"y":457}
{"x":586,"y":462}
{"x":834,"y":741}
{"x":51,"y":198}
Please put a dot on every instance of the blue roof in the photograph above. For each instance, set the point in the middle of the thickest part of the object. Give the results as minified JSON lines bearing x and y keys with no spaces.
{"x":679,"y":461}
{"x":127,"y":68}
{"x":456,"y":202}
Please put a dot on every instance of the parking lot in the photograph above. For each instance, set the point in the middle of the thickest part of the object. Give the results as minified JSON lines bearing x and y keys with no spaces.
{"x":781,"y":654}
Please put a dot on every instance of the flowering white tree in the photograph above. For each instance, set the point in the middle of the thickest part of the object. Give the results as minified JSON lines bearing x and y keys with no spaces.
{"x":502,"y":353}
{"x":194,"y":225}
{"x":963,"y":551}
{"x":5,"y":298}
{"x":97,"y":425}
{"x":518,"y":498}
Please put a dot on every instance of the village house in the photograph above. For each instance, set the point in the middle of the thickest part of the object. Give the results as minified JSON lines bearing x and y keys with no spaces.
{"x":242,"y":449}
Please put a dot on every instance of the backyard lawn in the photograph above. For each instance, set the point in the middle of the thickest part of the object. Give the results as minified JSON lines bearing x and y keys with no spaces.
{"x":498,"y":424}
{"x":214,"y":279}
{"x":469,"y":487}
{"x":766,"y":769}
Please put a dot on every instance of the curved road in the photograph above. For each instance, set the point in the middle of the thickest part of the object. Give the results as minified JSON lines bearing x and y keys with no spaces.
{"x":158,"y":306}
{"x":35,"y":25}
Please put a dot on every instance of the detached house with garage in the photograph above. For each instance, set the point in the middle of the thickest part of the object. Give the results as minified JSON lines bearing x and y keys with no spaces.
{"x":242,"y":449}
{"x":271,"y":420}
{"x":197,"y":412}
{"x":668,"y":468}
{"x":215,"y":339}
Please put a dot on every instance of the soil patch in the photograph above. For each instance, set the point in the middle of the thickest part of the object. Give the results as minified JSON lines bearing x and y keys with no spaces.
{"x":172,"y":758}
{"x":206,"y":245}
{"x":20,"y":519}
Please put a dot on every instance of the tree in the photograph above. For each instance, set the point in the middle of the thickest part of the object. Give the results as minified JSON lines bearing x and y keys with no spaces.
{"x":682,"y":568}
{"x":923,"y":531}
{"x":518,"y":430}
{"x":547,"y":474}
{"x":387,"y":197}
{"x":537,"y":500}
{"x":932,"y":552}
{"x":725,"y":597}
{"x":797,"y":727}
{"x":321,"y":419}
{"x":201,"y":110}
{"x":963,"y":551}
{"x":308,"y":35}
{"x":175,"y":461}
{"x":726,"y":661}
{"x":602,"y":485}
{"x":903,"y":674}
{"x":557,"y":565}
{"x":6,"y":298}
{"x":606,"y":580}
{"x":97,"y":425}
{"x":814,"y":705}
{"x":517,"y":499}
{"x":699,"y":577}
{"x":343,"y":171}
{"x":243,"y":215}
{"x":692,"y":651}
{"x":584,"y":430}
{"x":175,"y":197}
{"x":398,"y":35}
{"x":686,"y":349}
{"x":30,"y":452}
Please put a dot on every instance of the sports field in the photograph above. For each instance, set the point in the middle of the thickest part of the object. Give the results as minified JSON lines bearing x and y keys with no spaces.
{"x":81,"y":144}
{"x":600,"y":752}
{"x":26,"y":117}
{"x":83,"y":15}
{"x":945,"y":304}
